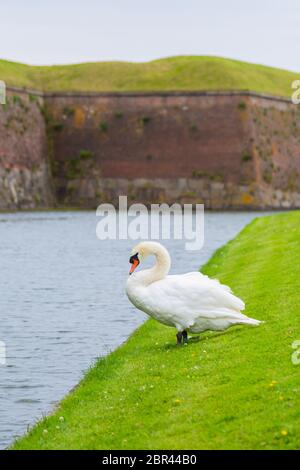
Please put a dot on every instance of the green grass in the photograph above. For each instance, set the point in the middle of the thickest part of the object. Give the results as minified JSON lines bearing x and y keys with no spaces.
{"x":231,"y":390}
{"x":174,"y":73}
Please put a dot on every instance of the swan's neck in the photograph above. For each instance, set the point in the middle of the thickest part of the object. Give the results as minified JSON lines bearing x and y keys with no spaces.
{"x":159,"y":270}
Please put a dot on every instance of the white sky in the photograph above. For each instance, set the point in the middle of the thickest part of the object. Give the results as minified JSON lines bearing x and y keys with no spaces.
{"x":70,"y":31}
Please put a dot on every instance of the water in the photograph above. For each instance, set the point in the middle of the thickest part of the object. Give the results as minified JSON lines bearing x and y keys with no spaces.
{"x":62,"y":303}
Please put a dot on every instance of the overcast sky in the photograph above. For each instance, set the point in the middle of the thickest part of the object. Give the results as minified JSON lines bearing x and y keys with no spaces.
{"x":65,"y":31}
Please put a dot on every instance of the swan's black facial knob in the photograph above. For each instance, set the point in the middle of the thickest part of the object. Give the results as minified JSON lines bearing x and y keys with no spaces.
{"x":134,"y":260}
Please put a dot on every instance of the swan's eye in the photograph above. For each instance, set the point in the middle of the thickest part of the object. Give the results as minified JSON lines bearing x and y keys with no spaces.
{"x":134,"y":260}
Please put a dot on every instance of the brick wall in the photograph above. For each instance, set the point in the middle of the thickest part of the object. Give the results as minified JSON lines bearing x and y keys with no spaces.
{"x":228,"y":150}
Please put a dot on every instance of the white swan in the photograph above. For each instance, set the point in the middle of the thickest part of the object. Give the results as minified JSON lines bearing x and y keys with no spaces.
{"x":189,"y":302}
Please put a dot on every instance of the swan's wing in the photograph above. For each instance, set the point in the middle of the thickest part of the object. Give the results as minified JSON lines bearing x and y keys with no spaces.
{"x":203,"y":278}
{"x":194,"y":294}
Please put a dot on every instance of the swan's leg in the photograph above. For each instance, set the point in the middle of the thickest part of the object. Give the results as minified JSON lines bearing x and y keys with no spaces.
{"x":185,"y":337}
{"x":179,"y":337}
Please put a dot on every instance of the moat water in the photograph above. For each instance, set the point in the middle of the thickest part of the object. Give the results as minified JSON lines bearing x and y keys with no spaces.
{"x":63,"y":305}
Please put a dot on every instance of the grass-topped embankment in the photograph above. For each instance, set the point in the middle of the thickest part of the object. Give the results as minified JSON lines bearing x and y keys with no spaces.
{"x":174,"y":73}
{"x":235,"y":389}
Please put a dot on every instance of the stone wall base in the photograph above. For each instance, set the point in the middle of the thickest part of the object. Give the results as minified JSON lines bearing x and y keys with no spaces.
{"x":214,"y":195}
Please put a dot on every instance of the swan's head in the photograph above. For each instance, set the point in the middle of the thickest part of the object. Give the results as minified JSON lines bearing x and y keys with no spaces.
{"x":144,"y":249}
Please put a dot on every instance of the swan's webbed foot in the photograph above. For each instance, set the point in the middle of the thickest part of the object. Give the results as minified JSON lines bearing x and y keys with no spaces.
{"x":179,"y":337}
{"x":182,"y":335}
{"x":185,"y":337}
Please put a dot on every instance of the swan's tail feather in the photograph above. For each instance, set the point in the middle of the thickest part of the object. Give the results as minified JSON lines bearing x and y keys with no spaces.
{"x":251,"y":321}
{"x":243,"y":319}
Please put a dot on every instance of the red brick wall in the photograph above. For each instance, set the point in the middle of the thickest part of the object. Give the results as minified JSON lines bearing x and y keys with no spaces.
{"x":228,"y":150}
{"x":152,"y":136}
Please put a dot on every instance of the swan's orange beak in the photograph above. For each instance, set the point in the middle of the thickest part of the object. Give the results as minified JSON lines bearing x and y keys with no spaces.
{"x":134,"y":260}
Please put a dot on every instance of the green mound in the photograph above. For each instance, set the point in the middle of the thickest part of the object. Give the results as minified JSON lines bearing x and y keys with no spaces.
{"x":171,"y":74}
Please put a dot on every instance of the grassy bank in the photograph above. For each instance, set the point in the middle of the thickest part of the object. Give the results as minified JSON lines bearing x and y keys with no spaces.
{"x":233,"y":390}
{"x":174,"y":73}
